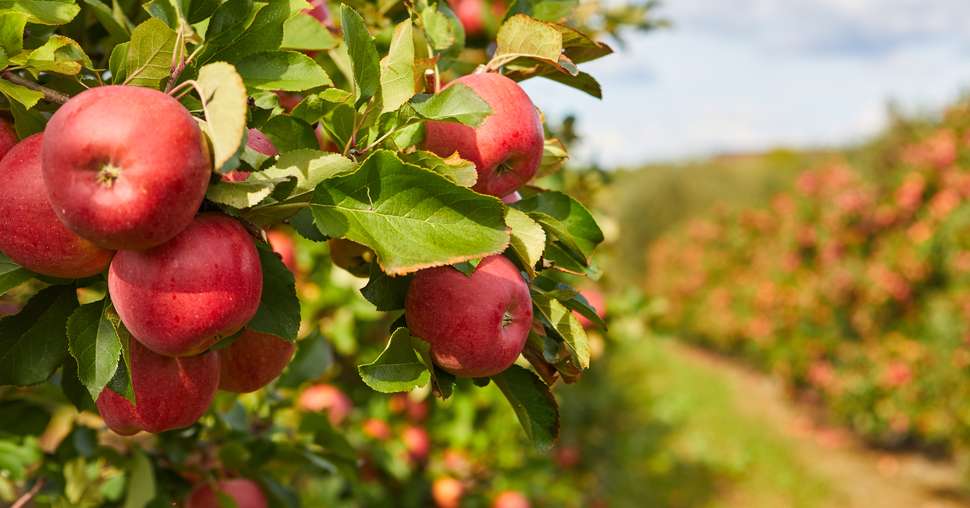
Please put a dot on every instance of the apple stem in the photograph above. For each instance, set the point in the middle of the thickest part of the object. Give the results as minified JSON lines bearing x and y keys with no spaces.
{"x":503,"y":167}
{"x":50,"y":95}
{"x":506,"y":319}
{"x":108,"y":174}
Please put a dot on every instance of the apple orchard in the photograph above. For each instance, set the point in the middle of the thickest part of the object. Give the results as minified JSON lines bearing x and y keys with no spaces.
{"x":186,"y":188}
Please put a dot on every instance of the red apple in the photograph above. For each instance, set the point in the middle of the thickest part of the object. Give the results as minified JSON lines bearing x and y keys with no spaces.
{"x":245,"y":493}
{"x":447,"y":492}
{"x":170,"y":393}
{"x":471,"y":14}
{"x":30,"y":232}
{"x":318,"y":9}
{"x":126,"y":167}
{"x":377,"y":429}
{"x":511,"y":499}
{"x":506,"y":148}
{"x":324,"y":397}
{"x":417,"y":442}
{"x":476,"y":325}
{"x":282,"y":244}
{"x":252,"y":361}
{"x":8,"y":137}
{"x":596,"y":300}
{"x":183,"y":296}
{"x":262,"y":144}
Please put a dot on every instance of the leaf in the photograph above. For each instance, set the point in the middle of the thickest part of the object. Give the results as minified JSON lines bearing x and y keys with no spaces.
{"x":289,"y":133}
{"x":457,"y":102}
{"x":533,"y":404}
{"x":305,"y":32}
{"x":564,"y":323}
{"x":150,"y":53}
{"x":397,"y":369}
{"x":95,"y":342}
{"x":528,"y":240}
{"x":279,"y":309}
{"x":385,"y":292}
{"x":12,"y":32}
{"x":454,"y":168}
{"x":224,"y":103}
{"x":565,"y":219}
{"x":442,"y":28}
{"x":107,"y":19}
{"x":362,"y":51}
{"x":26,"y":122}
{"x":43,"y":12}
{"x":33,"y":342}
{"x":141,"y":485}
{"x":313,"y":358}
{"x":117,"y":63}
{"x":309,"y":168}
{"x":264,"y":33}
{"x":59,"y":54}
{"x":397,"y":69}
{"x":243,"y":194}
{"x":11,"y":274}
{"x":72,"y":387}
{"x":554,"y":155}
{"x":523,"y":37}
{"x":282,"y":70}
{"x":442,"y":383}
{"x":411,"y":217}
{"x":21,"y":94}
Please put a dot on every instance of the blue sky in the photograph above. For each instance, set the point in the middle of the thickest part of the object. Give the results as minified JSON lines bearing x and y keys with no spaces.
{"x":740,"y":75}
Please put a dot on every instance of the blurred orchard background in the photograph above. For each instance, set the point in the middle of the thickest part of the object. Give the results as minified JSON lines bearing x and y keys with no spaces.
{"x":784,"y":186}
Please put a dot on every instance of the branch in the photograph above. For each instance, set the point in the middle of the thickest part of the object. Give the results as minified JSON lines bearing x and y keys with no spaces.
{"x":50,"y":95}
{"x":22,"y":501}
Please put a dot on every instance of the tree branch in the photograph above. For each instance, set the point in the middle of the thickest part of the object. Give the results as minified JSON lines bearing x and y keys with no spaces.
{"x":22,"y":501}
{"x":50,"y":95}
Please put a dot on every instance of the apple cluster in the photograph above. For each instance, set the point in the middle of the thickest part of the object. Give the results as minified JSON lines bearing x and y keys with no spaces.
{"x":115,"y":182}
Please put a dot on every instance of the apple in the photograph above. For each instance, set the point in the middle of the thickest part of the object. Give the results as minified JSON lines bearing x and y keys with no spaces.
{"x":351,"y":256}
{"x":170,"y":393}
{"x":476,"y":325}
{"x":567,"y":456}
{"x":324,"y":397}
{"x":318,"y":9}
{"x":282,"y":244}
{"x":30,"y":232}
{"x":126,"y":167}
{"x":252,"y":361}
{"x":244,"y":492}
{"x":8,"y":137}
{"x":417,"y":442}
{"x":596,"y":300}
{"x":262,"y":144}
{"x":377,"y":429}
{"x":511,"y":499}
{"x":506,"y":148}
{"x":447,"y":492}
{"x":471,"y":14}
{"x":183,"y":296}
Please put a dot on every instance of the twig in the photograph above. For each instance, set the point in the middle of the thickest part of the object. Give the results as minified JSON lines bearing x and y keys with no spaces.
{"x":50,"y":95}
{"x":22,"y":501}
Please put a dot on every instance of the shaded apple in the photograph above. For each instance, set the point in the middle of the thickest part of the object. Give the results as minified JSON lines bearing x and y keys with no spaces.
{"x":244,"y":492}
{"x":30,"y":232}
{"x":126,"y":167}
{"x":170,"y":393}
{"x":183,"y":296}
{"x":329,"y":398}
{"x":596,"y":300}
{"x":447,"y":492}
{"x":511,"y":499}
{"x":377,"y":429}
{"x":8,"y":137}
{"x":351,"y":256}
{"x":417,"y":442}
{"x":476,"y":325}
{"x":506,"y":148}
{"x":252,"y":361}
{"x":282,"y":244}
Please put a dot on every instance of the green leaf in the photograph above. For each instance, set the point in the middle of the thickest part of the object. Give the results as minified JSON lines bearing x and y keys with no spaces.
{"x":224,"y":103}
{"x":33,"y":342}
{"x":11,"y":274}
{"x":457,"y":102}
{"x":564,"y":323}
{"x":279,"y":309}
{"x":397,"y":369}
{"x":95,"y":343}
{"x":12,"y":32}
{"x":442,"y":383}
{"x":200,"y":9}
{"x":305,"y":32}
{"x":282,"y":70}
{"x":117,"y":63}
{"x":21,"y":94}
{"x":26,"y":122}
{"x":565,"y":219}
{"x":524,"y":37}
{"x":150,"y":53}
{"x":228,"y":22}
{"x":141,"y":486}
{"x":289,"y":133}
{"x":528,"y":240}
{"x":264,"y":33}
{"x":107,"y":19}
{"x":442,"y":28}
{"x":72,"y":387}
{"x":454,"y":168}
{"x":533,"y":404}
{"x":397,"y":69}
{"x":554,"y":156}
{"x":59,"y":54}
{"x":411,"y":217}
{"x":363,"y":53}
{"x":243,"y":194}
{"x":43,"y":12}
{"x":313,"y":358}
{"x":385,"y":292}
{"x":308,"y":167}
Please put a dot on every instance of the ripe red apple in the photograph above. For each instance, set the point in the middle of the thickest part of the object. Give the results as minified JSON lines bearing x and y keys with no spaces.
{"x":506,"y":148}
{"x":447,"y":492}
{"x":183,"y":296}
{"x":126,"y":167}
{"x":477,"y":325}
{"x":324,"y":397}
{"x":8,"y":137}
{"x":596,"y":300}
{"x":252,"y":361}
{"x":244,"y":492}
{"x":318,"y":9}
{"x":262,"y":144}
{"x":351,"y":256}
{"x":377,"y":429}
{"x":471,"y":14}
{"x":282,"y":244}
{"x":417,"y":442}
{"x":30,"y":232}
{"x":511,"y":499}
{"x":170,"y":393}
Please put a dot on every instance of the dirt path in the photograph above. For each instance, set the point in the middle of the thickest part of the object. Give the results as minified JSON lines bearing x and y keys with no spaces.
{"x":861,"y":477}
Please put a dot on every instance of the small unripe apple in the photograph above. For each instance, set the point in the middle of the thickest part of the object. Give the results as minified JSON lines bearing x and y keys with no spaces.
{"x":183,"y":296}
{"x":30,"y":232}
{"x":244,"y":492}
{"x":596,"y":300}
{"x":476,"y":325}
{"x":252,"y":361}
{"x":506,"y":148}
{"x":126,"y":167}
{"x":351,"y":256}
{"x":170,"y":393}
{"x":511,"y":499}
{"x":447,"y":492}
{"x":282,"y":244}
{"x":324,"y":397}
{"x":8,"y":137}
{"x":417,"y":442}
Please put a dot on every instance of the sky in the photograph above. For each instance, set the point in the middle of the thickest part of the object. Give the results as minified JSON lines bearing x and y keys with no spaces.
{"x":745,"y":75}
